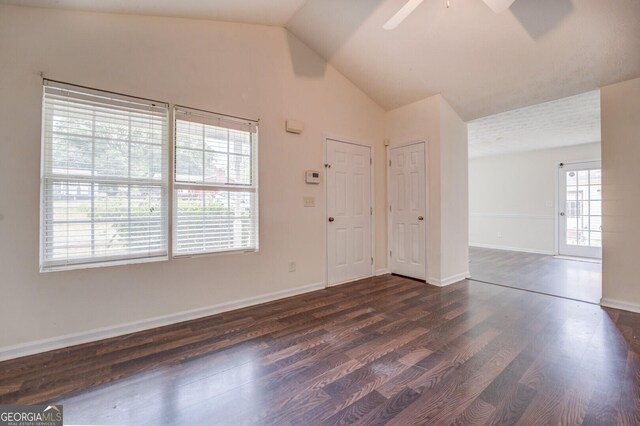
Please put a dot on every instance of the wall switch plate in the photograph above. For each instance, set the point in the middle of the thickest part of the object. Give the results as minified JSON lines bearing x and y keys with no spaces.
{"x":292,"y":266}
{"x":309,"y":201}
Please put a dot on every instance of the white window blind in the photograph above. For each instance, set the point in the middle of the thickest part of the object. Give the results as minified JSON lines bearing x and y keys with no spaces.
{"x":104,"y":178}
{"x":216,"y":186}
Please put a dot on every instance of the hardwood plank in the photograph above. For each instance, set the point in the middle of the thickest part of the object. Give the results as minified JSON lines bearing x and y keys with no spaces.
{"x":479,"y":412}
{"x":378,"y":351}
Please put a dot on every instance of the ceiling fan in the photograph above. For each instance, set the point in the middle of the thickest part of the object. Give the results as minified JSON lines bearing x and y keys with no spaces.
{"x":496,"y":5}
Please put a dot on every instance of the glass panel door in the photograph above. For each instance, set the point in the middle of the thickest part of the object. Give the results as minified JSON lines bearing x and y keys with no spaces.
{"x":580,"y":210}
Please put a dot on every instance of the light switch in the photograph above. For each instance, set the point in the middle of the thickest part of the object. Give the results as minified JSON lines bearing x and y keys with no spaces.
{"x":309,"y":201}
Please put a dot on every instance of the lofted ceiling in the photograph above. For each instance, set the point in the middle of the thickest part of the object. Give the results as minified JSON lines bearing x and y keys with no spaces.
{"x":481,"y":62}
{"x":565,"y":122}
{"x":262,"y":12}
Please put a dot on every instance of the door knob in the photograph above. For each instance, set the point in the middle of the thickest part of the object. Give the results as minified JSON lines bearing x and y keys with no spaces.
{"x":331,"y":219}
{"x":420,"y":218}
{"x":562,"y":214}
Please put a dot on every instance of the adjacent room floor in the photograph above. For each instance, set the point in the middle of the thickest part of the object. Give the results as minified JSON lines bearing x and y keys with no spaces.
{"x":381,"y":350}
{"x":572,"y":279}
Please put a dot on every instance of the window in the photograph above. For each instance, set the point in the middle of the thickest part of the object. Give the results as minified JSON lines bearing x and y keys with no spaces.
{"x":215,"y":183}
{"x":104,"y":178}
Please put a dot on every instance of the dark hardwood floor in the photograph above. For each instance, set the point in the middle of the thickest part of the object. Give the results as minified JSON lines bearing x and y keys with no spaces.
{"x":381,"y":350}
{"x":537,"y":272}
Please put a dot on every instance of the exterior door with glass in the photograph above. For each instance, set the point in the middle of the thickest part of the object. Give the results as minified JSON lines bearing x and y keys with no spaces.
{"x":580,"y":210}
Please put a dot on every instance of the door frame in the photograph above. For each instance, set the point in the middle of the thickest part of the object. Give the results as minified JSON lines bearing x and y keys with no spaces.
{"x":427,"y":215}
{"x":328,"y":137}
{"x":556,"y":199}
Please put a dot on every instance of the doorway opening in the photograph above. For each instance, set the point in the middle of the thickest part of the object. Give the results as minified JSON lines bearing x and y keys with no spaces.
{"x":535,"y":198}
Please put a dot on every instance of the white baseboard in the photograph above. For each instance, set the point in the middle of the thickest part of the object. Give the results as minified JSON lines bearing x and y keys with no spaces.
{"x":521,"y":249}
{"x":383,"y":271}
{"x":617,"y":304}
{"x":578,"y":259}
{"x":513,"y":215}
{"x":449,"y":280}
{"x":31,"y":348}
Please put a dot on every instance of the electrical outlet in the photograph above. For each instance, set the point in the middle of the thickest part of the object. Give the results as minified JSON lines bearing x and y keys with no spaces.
{"x":309,"y":201}
{"x":292,"y":266}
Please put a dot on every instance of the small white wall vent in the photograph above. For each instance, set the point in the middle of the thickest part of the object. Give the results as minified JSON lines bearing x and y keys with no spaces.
{"x":294,"y":126}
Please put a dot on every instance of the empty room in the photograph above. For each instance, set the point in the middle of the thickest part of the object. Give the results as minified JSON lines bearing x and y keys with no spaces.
{"x":261,"y":212}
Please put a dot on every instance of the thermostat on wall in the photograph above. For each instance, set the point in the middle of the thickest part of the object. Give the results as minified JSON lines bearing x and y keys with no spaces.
{"x":312,"y":176}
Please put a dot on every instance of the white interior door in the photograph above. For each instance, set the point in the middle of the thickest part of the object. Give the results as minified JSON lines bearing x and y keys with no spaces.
{"x":580,"y":210}
{"x":348,"y":212}
{"x":407,"y":205}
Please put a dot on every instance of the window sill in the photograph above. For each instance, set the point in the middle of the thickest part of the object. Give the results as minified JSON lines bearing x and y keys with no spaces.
{"x":102,"y":264}
{"x":215,"y":253}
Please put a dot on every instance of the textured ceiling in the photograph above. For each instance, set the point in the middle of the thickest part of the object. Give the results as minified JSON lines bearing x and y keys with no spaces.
{"x":565,"y":122}
{"x":481,"y":62}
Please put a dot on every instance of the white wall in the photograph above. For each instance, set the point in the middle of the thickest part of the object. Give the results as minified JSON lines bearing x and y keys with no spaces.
{"x":454,"y":194}
{"x":238,"y":69}
{"x":433,"y":120}
{"x":512,"y":197}
{"x":620,"y":105}
{"x":421,"y":121}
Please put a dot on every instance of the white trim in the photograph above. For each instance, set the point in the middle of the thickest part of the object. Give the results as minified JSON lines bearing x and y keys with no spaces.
{"x":507,"y":248}
{"x":578,"y":259}
{"x":556,"y":211}
{"x":383,"y":271}
{"x":329,"y":136}
{"x":403,"y":144}
{"x":513,"y":215}
{"x":449,"y":280}
{"x":38,"y":346}
{"x":595,"y":160}
{"x":617,"y":304}
{"x":115,"y":261}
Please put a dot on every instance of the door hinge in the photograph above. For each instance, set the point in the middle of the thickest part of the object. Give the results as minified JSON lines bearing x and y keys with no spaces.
{"x":370,"y":160}
{"x":372,"y":260}
{"x":390,"y":253}
{"x":389,"y":163}
{"x":371,"y":211}
{"x":390,"y":209}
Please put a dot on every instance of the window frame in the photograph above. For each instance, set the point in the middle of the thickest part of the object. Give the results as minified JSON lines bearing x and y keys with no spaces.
{"x":168,"y":185}
{"x":253,"y":187}
{"x":47,"y":175}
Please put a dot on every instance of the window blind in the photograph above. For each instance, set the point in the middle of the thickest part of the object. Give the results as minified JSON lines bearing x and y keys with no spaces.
{"x":104,"y":178}
{"x":215,"y":183}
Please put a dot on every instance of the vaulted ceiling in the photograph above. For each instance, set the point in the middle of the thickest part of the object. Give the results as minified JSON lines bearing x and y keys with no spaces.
{"x":482,"y":63}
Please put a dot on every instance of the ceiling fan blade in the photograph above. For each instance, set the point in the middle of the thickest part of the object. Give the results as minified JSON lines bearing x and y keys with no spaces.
{"x":401,"y":14}
{"x":499,"y":5}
